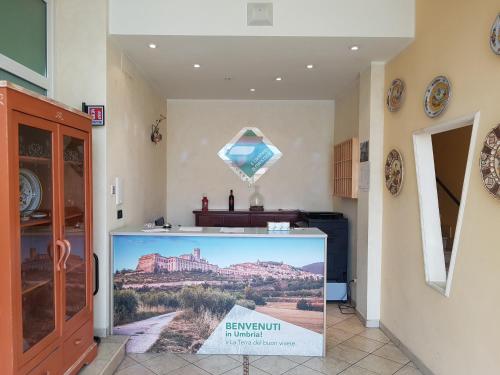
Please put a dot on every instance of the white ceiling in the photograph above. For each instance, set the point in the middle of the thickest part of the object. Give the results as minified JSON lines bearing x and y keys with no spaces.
{"x":254,"y":62}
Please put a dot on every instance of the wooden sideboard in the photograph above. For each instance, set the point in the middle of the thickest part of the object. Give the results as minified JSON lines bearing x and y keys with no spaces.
{"x":242,"y":218}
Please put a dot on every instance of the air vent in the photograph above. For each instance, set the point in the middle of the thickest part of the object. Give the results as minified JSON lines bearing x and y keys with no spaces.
{"x":260,"y":14}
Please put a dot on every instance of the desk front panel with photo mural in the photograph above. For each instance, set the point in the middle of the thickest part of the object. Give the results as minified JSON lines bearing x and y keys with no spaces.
{"x":208,"y":292}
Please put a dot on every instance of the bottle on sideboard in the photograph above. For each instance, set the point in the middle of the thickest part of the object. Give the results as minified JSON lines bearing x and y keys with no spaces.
{"x":231,"y":200}
{"x":204,"y":203}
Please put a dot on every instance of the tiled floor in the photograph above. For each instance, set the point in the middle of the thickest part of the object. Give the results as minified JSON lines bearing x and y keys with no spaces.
{"x":352,"y":349}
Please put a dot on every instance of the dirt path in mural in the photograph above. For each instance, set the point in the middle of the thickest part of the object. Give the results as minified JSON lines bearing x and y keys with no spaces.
{"x":144,"y":333}
{"x":288,"y":312}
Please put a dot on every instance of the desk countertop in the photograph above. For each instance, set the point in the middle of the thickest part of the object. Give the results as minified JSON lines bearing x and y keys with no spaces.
{"x":219,"y":232}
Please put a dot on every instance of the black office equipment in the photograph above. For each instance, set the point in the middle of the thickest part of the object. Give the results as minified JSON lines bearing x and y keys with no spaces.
{"x":335,"y":225}
{"x":160,"y":222}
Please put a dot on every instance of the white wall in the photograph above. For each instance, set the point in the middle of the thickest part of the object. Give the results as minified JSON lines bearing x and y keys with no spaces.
{"x":346,"y":127}
{"x":369,"y":215}
{"x":338,"y":18}
{"x":80,"y":76}
{"x":198,"y":129}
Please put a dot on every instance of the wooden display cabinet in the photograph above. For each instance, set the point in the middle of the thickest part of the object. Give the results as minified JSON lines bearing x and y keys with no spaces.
{"x":346,"y":169}
{"x":46,"y":315}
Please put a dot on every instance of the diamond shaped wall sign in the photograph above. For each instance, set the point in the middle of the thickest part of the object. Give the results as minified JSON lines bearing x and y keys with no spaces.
{"x":250,"y":154}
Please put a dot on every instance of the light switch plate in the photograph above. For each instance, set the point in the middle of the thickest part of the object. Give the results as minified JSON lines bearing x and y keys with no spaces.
{"x":118,"y":191}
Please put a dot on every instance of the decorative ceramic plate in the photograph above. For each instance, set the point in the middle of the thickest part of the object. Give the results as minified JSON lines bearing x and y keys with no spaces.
{"x":394,"y":172}
{"x":437,"y":95}
{"x":39,"y":215}
{"x":30,"y":191}
{"x":490,"y":162}
{"x":495,"y":36}
{"x":396,"y":95}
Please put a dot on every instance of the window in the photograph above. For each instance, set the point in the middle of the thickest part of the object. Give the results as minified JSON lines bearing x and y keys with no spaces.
{"x":26,"y":43}
{"x":443,"y":159}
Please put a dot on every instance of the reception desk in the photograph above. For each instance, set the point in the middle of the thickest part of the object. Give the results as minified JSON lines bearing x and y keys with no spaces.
{"x":220,"y":290}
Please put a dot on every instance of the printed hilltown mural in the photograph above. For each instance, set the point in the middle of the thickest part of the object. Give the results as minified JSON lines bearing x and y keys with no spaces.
{"x":217,"y":295}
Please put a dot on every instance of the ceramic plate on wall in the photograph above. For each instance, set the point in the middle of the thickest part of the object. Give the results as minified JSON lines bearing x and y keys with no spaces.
{"x":396,"y":95}
{"x":394,"y":172}
{"x":495,"y":36}
{"x":437,"y":96}
{"x":30,"y":191}
{"x":490,"y":162}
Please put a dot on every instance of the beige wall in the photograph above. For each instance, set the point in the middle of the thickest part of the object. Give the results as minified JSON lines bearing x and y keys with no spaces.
{"x":80,"y":76}
{"x":133,"y":105}
{"x":456,"y":335}
{"x":88,"y":69}
{"x":198,"y":129}
{"x":346,"y":127}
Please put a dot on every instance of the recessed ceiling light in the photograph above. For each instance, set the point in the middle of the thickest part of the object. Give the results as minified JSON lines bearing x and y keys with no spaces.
{"x":152,"y":45}
{"x":196,"y":66}
{"x":309,"y":66}
{"x":354,"y":48}
{"x":252,"y":90}
{"x":279,"y":78}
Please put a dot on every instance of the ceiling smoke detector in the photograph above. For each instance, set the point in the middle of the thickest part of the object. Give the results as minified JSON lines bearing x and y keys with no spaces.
{"x":259,"y":14}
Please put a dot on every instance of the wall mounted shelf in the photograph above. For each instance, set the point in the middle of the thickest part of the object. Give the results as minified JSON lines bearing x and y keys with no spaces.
{"x":345,"y":169}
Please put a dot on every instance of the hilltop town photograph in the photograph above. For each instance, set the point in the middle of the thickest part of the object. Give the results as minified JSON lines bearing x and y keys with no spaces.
{"x":171,"y":293}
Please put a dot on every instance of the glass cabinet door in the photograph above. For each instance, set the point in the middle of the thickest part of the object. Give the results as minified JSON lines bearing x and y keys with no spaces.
{"x":38,"y":254}
{"x":75,"y":222}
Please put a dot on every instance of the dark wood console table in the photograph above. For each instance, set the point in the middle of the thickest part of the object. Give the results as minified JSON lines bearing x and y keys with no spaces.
{"x":242,"y":218}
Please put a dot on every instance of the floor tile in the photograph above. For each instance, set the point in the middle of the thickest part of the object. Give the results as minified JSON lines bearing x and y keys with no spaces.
{"x":297,"y":358}
{"x":332,"y":320}
{"x":412,"y":364}
{"x":408,"y":370}
{"x":345,"y":353}
{"x":332,"y":341}
{"x":362,"y":343}
{"x":274,"y":364}
{"x":355,"y":370}
{"x":165,"y":363}
{"x":143,"y":357}
{"x":338,"y":333}
{"x":302,"y":370}
{"x":375,"y":334}
{"x":393,"y":353}
{"x":218,"y":364}
{"x":239,"y":358}
{"x":137,"y":369}
{"x":189,"y":370}
{"x":351,"y":325}
{"x":239,"y":371}
{"x":328,"y":365}
{"x":127,"y":362}
{"x":192,"y":357}
{"x":379,"y":365}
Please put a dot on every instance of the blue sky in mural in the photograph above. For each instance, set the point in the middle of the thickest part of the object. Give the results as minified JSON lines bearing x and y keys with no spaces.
{"x":220,"y":251}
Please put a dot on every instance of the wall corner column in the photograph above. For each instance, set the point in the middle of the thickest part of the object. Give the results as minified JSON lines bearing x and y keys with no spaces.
{"x":370,"y":203}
